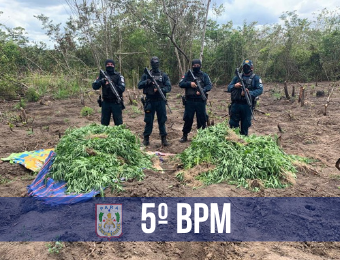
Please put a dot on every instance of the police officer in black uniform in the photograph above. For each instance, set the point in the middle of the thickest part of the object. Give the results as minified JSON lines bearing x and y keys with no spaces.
{"x":240,"y":110}
{"x":154,"y":102}
{"x":110,"y":103}
{"x":193,"y":99}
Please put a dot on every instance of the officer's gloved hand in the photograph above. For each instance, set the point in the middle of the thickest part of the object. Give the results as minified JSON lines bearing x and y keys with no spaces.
{"x":148,"y":82}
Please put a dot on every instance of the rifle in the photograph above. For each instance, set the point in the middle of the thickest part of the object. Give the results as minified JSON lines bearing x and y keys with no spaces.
{"x":246,"y":93}
{"x":200,"y":89}
{"x":148,"y":73}
{"x":113,"y":88}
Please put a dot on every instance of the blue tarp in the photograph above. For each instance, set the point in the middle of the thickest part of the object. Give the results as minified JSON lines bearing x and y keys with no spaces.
{"x":45,"y":188}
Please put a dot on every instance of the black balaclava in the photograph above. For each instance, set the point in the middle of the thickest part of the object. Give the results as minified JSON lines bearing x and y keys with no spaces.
{"x":110,"y":70}
{"x":154,"y":62}
{"x":247,"y":67}
{"x":196,"y":69}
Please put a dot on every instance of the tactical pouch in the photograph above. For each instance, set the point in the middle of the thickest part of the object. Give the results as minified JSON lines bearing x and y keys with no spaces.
{"x":146,"y":105}
{"x":100,"y":101}
{"x":183,"y":100}
{"x":206,"y":101}
{"x":122,"y":104}
{"x":142,"y":99}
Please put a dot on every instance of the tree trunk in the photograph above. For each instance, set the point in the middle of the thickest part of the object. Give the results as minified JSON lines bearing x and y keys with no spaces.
{"x":328,"y":100}
{"x":286,"y":90}
{"x":180,"y":67}
{"x":204,"y":29}
{"x":302,"y":96}
{"x":120,"y":55}
{"x":173,"y":40}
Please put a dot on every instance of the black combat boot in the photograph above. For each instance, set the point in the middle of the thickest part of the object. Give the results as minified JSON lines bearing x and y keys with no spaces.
{"x":164,"y":141}
{"x":146,"y":140}
{"x":184,"y":138}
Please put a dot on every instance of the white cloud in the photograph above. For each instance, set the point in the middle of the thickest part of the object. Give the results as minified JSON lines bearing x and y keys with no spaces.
{"x":240,"y":11}
{"x":21,"y":12}
{"x":269,"y":12}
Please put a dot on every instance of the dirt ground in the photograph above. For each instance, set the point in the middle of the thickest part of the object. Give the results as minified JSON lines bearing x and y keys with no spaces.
{"x":306,"y":131}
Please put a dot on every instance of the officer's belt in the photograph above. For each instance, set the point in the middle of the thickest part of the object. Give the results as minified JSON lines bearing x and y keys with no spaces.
{"x":111,"y":100}
{"x":154,"y":98}
{"x":194,"y":99}
{"x":239,"y":102}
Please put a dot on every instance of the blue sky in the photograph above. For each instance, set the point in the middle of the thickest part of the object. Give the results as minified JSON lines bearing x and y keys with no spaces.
{"x":21,"y":12}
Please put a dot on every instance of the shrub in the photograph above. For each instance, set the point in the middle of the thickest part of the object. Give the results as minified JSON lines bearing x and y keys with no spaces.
{"x":22,"y":104}
{"x":32,"y":95}
{"x":86,"y":111}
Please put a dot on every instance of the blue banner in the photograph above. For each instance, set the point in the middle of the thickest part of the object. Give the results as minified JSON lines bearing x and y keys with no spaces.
{"x":172,"y":219}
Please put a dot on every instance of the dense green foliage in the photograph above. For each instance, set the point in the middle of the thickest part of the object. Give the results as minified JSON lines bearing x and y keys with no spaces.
{"x":238,"y":158}
{"x":97,"y":156}
{"x":130,"y":32}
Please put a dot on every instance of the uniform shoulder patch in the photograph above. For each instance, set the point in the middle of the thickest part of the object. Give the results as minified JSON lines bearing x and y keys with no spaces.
{"x":260,"y":80}
{"x":182,"y":79}
{"x":122,"y":79}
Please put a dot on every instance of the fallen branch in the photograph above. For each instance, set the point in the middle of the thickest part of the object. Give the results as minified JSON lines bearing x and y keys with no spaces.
{"x":260,"y":111}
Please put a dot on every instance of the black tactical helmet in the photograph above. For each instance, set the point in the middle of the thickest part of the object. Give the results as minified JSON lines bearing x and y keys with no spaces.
{"x":196,"y":61}
{"x":154,"y":62}
{"x":108,"y":61}
{"x":110,"y":69}
{"x":247,"y":66}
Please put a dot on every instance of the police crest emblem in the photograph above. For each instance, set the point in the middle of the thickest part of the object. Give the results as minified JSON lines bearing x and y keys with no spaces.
{"x":109,"y":220}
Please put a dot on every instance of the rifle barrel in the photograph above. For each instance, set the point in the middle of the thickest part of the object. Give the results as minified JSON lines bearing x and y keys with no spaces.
{"x":204,"y":97}
{"x":156,"y":84}
{"x":148,"y":73}
{"x":114,"y":90}
{"x":246,"y":94}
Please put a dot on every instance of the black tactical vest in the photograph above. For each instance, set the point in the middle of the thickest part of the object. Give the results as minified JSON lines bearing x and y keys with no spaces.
{"x":191,"y":92}
{"x":236,"y":92}
{"x":108,"y":95}
{"x":158,"y":77}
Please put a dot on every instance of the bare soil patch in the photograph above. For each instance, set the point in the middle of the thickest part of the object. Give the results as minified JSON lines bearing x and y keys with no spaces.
{"x":305,"y":131}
